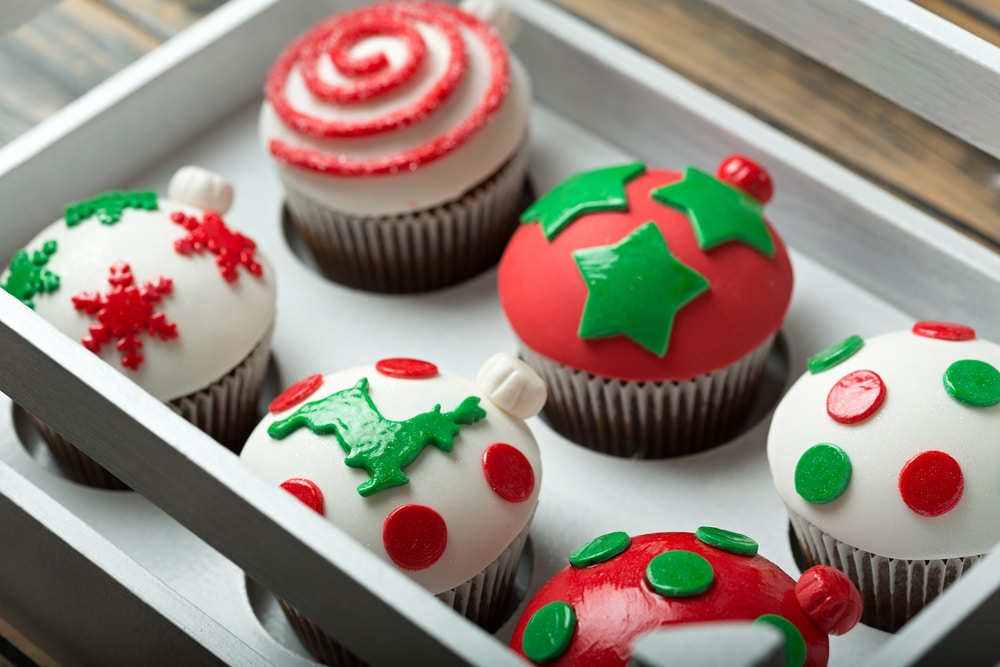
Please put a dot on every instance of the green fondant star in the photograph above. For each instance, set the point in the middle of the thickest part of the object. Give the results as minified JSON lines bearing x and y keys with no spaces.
{"x":635,"y":288}
{"x":587,"y":192}
{"x":28,"y":275}
{"x":719,"y":212}
{"x":108,"y":207}
{"x":378,"y":445}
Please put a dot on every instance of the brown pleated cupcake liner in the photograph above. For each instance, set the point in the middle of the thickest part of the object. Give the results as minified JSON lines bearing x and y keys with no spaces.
{"x":225,"y":410}
{"x":893,"y":590}
{"x":649,"y":420}
{"x":483,"y":599}
{"x":417,"y":252}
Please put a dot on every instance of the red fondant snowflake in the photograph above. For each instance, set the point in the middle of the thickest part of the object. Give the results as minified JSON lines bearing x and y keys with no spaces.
{"x":125,"y":312}
{"x":231,"y":249}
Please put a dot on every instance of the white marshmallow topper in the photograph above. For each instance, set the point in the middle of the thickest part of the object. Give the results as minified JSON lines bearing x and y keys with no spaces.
{"x":431,"y":471}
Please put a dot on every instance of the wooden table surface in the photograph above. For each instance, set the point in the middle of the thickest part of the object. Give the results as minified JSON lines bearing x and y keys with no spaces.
{"x":76,"y":44}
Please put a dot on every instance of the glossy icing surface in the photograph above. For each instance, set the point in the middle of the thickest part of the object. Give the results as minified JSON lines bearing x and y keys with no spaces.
{"x":544,"y":289}
{"x":658,"y":580}
{"x":461,"y":508}
{"x":218,"y":322}
{"x":409,"y":147}
{"x":913,"y":477}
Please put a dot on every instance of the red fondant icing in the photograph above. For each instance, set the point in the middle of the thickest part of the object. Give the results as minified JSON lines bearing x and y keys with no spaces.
{"x":944,"y":331}
{"x":931,"y":483}
{"x":210,"y":234}
{"x":401,"y":367}
{"x":295,"y":394}
{"x":374,"y":76}
{"x":306,"y":491}
{"x":414,"y":536}
{"x":614,"y":605}
{"x":543,"y":294}
{"x":748,"y":176}
{"x":829,"y":599}
{"x":855,"y":397}
{"x":508,"y":472}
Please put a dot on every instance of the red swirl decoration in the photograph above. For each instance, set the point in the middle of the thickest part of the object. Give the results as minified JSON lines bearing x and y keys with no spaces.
{"x":373,"y":76}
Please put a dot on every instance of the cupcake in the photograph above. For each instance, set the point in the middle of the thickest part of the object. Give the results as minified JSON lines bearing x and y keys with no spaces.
{"x":435,"y":474}
{"x":884,"y":453}
{"x":399,"y":133}
{"x":164,"y":290}
{"x":618,"y":588}
{"x":648,"y":301}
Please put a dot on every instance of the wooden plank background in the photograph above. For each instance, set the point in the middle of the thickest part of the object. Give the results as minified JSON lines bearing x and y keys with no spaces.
{"x":71,"y":47}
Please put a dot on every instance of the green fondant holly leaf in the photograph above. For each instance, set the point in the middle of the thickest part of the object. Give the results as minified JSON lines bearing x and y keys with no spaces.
{"x":635,"y":288}
{"x":28,"y":275}
{"x":719,"y":212}
{"x":108,"y":207}
{"x":378,"y":445}
{"x":587,"y":192}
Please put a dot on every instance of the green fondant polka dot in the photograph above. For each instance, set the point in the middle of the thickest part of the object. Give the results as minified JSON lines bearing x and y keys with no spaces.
{"x":795,"y":645}
{"x":727,"y":540}
{"x":679,"y":573}
{"x":973,"y":382}
{"x":600,"y":549}
{"x":834,"y":354}
{"x":549,"y":632}
{"x":822,"y":473}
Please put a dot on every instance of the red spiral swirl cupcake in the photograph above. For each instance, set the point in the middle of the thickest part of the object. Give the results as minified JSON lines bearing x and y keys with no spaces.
{"x":399,"y":133}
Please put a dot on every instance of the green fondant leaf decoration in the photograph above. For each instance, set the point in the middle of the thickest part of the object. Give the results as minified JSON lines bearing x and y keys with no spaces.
{"x":380,"y":446}
{"x":719,"y":212}
{"x":635,"y":288}
{"x":108,"y":207}
{"x":586,"y":192}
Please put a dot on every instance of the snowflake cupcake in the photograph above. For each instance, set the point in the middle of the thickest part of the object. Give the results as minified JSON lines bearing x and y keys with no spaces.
{"x":399,"y":132}
{"x":618,"y":588}
{"x":434,"y":473}
{"x":648,"y":300}
{"x":164,"y":290}
{"x":885,"y":455}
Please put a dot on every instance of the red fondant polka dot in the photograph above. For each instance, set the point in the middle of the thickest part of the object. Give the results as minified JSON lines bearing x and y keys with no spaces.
{"x":306,"y":491}
{"x":414,"y":536}
{"x":855,"y":397}
{"x":401,"y":367}
{"x":295,"y":394}
{"x":931,"y":483}
{"x":944,"y":330}
{"x":508,"y":472}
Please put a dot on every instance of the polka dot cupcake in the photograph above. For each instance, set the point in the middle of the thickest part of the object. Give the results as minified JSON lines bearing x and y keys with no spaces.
{"x":435,"y":474}
{"x":885,"y":455}
{"x":617,"y":588}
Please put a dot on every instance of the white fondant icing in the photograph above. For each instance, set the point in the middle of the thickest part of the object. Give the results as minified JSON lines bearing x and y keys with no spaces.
{"x":442,"y":180}
{"x":480,"y":524}
{"x":497,"y":14}
{"x":202,"y":188}
{"x":512,"y":385}
{"x":218,"y":323}
{"x":916,"y":415}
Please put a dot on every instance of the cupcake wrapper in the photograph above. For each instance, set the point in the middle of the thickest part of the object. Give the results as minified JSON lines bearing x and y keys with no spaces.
{"x":893,"y":590}
{"x":415,"y":252}
{"x":649,"y":420}
{"x":225,"y":410}
{"x":482,"y":599}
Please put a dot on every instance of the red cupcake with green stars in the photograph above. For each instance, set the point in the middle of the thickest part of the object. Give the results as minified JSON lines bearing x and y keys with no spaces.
{"x":618,"y":588}
{"x":649,"y":301}
{"x":885,"y":454}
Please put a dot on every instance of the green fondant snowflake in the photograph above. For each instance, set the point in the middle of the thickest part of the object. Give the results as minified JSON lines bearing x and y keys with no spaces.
{"x":378,"y":445}
{"x":719,"y":212}
{"x":28,"y":275}
{"x":588,"y":192}
{"x":108,"y":207}
{"x":635,"y":288}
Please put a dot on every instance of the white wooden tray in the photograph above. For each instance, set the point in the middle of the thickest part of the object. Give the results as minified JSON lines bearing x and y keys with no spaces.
{"x":157,"y":576}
